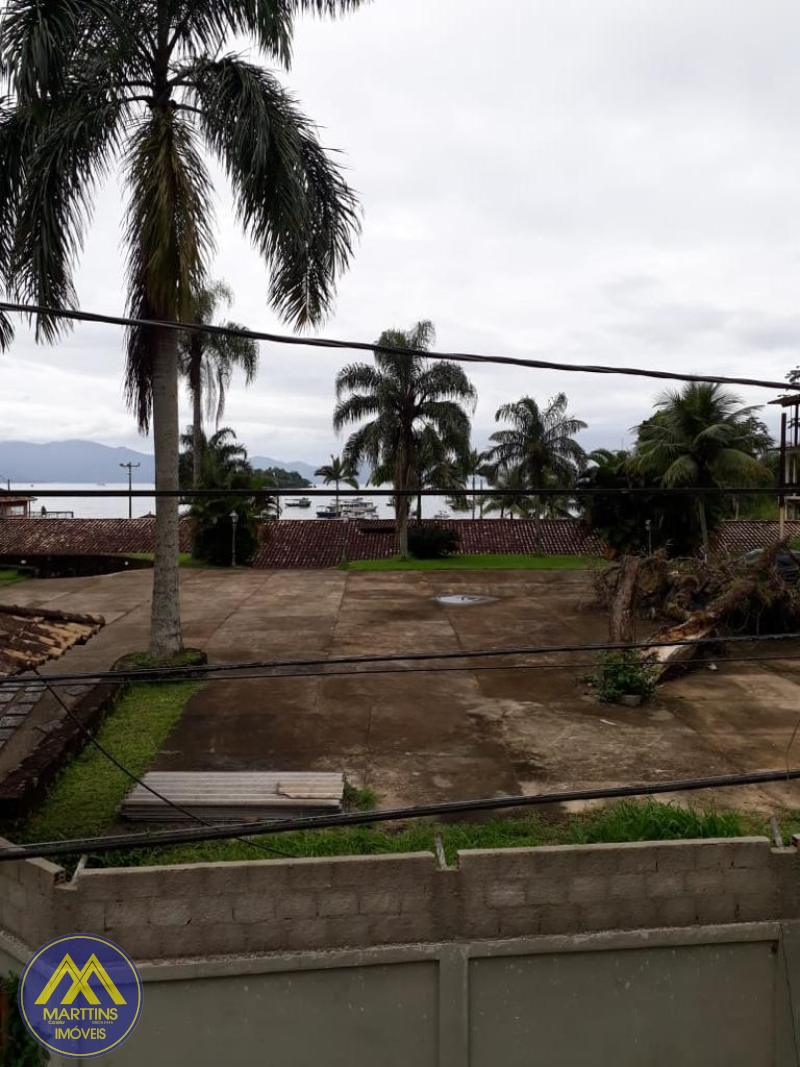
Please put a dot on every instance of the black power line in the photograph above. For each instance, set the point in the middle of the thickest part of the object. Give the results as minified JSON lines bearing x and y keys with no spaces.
{"x":152,"y":839}
{"x":155,"y":674}
{"x":365,"y":346}
{"x":566,"y":490}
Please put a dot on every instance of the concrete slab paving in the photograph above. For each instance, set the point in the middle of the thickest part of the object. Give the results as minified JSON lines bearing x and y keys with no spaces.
{"x":430,"y":731}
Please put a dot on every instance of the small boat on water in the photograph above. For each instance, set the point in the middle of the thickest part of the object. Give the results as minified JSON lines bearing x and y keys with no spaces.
{"x":441,"y":515}
{"x":358,"y":508}
{"x":331,"y":512}
{"x":301,"y":502}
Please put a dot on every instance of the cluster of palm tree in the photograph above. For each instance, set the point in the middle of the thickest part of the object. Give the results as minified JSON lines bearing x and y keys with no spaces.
{"x":699,"y":438}
{"x":414,"y":432}
{"x":146,"y":87}
{"x":413,"y":429}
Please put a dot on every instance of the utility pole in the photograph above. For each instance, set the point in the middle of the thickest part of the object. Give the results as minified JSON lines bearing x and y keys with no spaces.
{"x":130,"y":468}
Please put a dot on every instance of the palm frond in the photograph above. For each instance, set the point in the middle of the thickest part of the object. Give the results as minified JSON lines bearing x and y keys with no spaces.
{"x":37,"y":42}
{"x":66,"y":159}
{"x":353,"y":409}
{"x":269,"y":22}
{"x":290,"y":198}
{"x":6,"y":332}
{"x":443,"y":379}
{"x":357,"y":377}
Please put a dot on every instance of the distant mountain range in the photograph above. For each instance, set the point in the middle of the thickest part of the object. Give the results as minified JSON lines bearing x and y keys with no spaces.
{"x":87,"y":461}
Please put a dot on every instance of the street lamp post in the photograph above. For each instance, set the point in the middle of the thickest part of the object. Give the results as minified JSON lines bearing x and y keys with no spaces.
{"x":234,"y":520}
{"x":130,"y":468}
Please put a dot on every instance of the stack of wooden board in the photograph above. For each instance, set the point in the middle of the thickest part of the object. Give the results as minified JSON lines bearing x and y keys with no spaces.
{"x":235,"y":796}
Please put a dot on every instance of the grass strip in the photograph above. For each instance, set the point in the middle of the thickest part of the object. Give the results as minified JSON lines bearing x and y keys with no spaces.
{"x":85,"y":797}
{"x":625,"y":821}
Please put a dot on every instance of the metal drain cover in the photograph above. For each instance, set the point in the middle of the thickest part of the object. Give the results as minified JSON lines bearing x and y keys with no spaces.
{"x":462,"y":599}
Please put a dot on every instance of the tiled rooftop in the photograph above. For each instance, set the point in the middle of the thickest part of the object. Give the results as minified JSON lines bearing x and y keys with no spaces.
{"x":82,"y":537}
{"x":316,"y":543}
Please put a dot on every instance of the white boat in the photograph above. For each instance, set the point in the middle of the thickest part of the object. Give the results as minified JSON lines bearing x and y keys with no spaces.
{"x":441,"y":515}
{"x":358,"y":508}
{"x":330,"y":512}
{"x":301,"y":502}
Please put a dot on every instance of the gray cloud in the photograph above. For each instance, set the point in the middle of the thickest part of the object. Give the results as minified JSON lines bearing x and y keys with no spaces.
{"x":590,"y":182}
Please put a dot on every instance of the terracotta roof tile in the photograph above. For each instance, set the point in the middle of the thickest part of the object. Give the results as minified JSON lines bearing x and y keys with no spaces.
{"x":314,"y":543}
{"x":31,"y":636}
{"x":82,"y":537}
{"x":310,"y":543}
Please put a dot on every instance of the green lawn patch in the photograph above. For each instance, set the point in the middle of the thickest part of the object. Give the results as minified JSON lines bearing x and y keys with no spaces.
{"x":626,"y":821}
{"x":11,"y":577}
{"x":84,"y":798}
{"x":483,"y":562}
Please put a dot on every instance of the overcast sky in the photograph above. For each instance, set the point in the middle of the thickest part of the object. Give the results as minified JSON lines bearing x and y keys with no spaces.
{"x":584,"y":180}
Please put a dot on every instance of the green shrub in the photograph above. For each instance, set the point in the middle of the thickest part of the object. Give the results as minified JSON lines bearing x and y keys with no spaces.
{"x":432,"y":542}
{"x":17,"y":1047}
{"x":213,"y":535}
{"x":624,"y":672}
{"x":357,"y":798}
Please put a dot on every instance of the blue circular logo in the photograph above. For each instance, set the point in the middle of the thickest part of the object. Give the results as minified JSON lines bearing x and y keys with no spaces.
{"x":80,"y":996}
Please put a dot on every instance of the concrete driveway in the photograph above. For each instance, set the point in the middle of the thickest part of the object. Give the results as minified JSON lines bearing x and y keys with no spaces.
{"x":432,"y":732}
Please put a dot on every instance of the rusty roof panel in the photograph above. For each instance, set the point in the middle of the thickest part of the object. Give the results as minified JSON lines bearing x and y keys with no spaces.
{"x":31,"y":636}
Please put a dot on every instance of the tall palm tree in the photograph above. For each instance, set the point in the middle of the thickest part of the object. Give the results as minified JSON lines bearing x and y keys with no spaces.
{"x":207,"y":362}
{"x":338,"y":470}
{"x":406,"y":397}
{"x":701,"y":436}
{"x":541,"y":443}
{"x":145,"y":85}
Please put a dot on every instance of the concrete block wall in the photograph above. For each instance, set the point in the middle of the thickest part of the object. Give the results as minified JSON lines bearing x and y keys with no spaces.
{"x":574,"y":889}
{"x":296,"y":905}
{"x":28,"y":899}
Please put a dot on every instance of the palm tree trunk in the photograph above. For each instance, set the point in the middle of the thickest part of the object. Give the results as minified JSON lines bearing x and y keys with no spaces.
{"x":473,"y":496}
{"x":401,"y":504}
{"x":196,"y":389}
{"x":337,"y":494}
{"x":701,"y":514}
{"x":165,"y":618}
